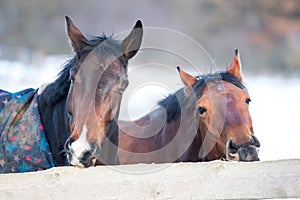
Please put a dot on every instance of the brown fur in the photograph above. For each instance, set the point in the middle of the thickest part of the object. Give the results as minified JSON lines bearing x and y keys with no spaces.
{"x":223,"y":130}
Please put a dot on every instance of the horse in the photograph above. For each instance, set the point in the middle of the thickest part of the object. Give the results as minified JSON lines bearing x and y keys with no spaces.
{"x":73,"y":120}
{"x":208,"y":119}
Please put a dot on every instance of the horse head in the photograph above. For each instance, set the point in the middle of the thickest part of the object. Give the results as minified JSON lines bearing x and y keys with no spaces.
{"x":98,"y":79}
{"x":222,"y":109}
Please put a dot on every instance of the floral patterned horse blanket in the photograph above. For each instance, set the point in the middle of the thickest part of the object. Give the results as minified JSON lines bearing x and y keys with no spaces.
{"x":23,"y":143}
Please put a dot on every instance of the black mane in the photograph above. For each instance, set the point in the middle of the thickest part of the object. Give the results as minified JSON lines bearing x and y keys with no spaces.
{"x":172,"y":102}
{"x":60,"y":87}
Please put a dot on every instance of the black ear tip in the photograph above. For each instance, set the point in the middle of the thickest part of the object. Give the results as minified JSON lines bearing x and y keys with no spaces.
{"x":178,"y":68}
{"x":138,"y":24}
{"x":68,"y":20}
{"x":236,"y":52}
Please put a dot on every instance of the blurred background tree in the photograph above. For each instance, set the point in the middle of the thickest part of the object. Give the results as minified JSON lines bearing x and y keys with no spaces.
{"x":267,"y":32}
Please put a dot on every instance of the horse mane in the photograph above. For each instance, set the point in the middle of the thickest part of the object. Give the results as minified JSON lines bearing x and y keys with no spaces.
{"x":172,"y":102}
{"x":58,"y":90}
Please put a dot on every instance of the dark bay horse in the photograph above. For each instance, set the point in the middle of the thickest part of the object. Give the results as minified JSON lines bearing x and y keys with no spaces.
{"x":206,"y":120}
{"x":77,"y":112}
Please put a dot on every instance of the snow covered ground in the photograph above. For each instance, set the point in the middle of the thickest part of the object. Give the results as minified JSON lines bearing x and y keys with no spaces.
{"x":275,"y":106}
{"x":15,"y":76}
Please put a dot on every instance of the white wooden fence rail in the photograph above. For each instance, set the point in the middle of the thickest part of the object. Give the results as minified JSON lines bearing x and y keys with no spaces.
{"x":211,"y":180}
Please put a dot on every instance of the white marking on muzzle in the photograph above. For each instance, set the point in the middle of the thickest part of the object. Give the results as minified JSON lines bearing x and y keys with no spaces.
{"x":79,"y":147}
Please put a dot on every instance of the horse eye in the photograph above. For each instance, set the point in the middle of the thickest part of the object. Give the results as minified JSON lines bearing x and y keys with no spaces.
{"x":248,"y":100}
{"x":201,"y":110}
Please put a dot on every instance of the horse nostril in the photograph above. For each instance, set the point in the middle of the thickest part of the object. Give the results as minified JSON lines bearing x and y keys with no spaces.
{"x":68,"y":144}
{"x":86,"y":159}
{"x":90,"y":157}
{"x":97,"y":149}
{"x":232,"y":148}
{"x":255,"y":141}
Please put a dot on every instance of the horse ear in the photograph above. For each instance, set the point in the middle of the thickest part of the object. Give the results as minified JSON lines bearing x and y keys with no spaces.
{"x":235,"y":67}
{"x":131,"y":44}
{"x":187,"y":79}
{"x":78,"y":40}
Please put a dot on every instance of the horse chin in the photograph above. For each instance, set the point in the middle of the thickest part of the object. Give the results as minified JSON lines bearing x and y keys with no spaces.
{"x":76,"y":163}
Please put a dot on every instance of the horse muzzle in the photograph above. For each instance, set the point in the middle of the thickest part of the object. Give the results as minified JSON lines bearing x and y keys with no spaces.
{"x":245,"y":152}
{"x":81,"y":155}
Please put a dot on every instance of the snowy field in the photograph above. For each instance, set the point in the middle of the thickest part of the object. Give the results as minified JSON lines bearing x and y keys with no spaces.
{"x":275,"y":106}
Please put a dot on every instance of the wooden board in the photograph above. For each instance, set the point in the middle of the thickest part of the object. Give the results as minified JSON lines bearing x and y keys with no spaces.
{"x":211,"y":180}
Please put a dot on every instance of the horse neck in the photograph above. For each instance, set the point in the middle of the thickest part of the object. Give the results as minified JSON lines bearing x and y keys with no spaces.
{"x":55,"y":122}
{"x":181,"y":135}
